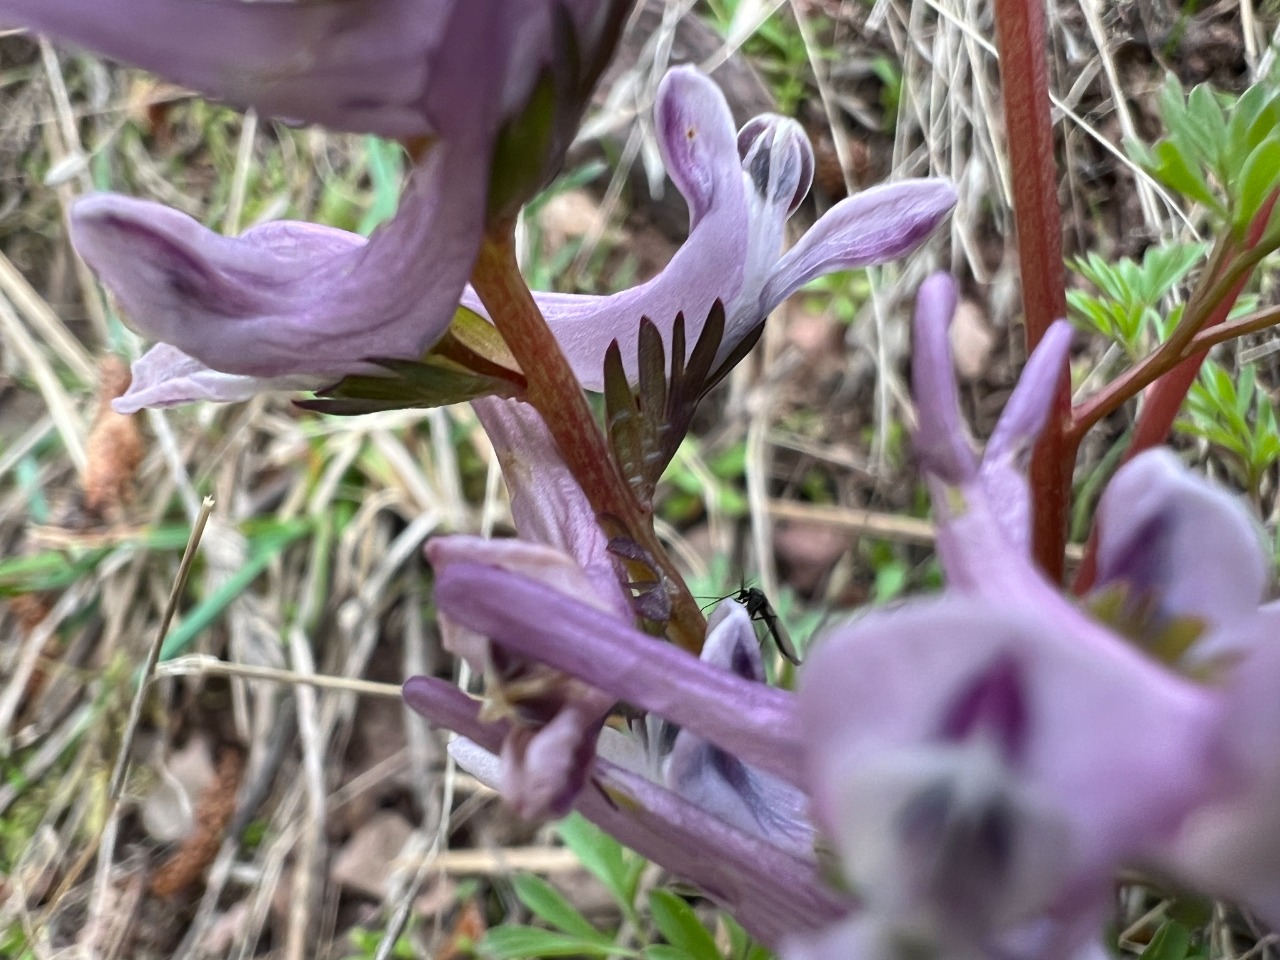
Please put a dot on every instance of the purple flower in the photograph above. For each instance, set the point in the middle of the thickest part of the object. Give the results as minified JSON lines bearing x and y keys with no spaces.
{"x":715,"y":780}
{"x":735,"y":732}
{"x":292,"y":305}
{"x":771,"y":891}
{"x":1181,"y":575}
{"x":287,"y":304}
{"x":983,"y":762}
{"x":1187,"y":561}
{"x":397,"y":68}
{"x":740,"y":188}
{"x":979,"y":770}
{"x":1186,"y":554}
{"x":555,"y":718}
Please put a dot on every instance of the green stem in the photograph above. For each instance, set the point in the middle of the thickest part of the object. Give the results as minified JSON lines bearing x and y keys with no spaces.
{"x":1024,"y":80}
{"x":1221,"y":285}
{"x":1254,"y":322}
{"x":1172,"y":369}
{"x":554,"y":391}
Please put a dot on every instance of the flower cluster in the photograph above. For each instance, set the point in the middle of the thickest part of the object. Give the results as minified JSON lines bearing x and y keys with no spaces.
{"x":289,"y":305}
{"x":958,"y":776}
{"x":980,"y":763}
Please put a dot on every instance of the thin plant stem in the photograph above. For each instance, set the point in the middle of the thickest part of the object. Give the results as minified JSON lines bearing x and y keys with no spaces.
{"x":1172,"y":369}
{"x":554,"y":391}
{"x":1024,"y":79}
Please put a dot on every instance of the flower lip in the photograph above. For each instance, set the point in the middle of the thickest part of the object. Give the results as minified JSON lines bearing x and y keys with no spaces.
{"x":774,"y":892}
{"x":993,"y":707}
{"x":760,"y":142}
{"x":1184,"y":546}
{"x":286,"y":299}
{"x":754,"y":722}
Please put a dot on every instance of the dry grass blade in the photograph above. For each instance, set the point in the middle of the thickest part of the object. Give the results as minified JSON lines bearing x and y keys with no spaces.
{"x":201,"y":664}
{"x":153,"y":654}
{"x":46,"y":324}
{"x":70,"y":426}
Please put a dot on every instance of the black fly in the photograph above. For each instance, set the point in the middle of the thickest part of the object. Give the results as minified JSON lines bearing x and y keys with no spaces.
{"x":759,"y":608}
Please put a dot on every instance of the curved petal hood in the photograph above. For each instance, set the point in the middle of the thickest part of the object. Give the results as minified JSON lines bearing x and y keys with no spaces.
{"x":397,"y":68}
{"x":290,"y":299}
{"x":977,"y":769}
{"x":741,"y":189}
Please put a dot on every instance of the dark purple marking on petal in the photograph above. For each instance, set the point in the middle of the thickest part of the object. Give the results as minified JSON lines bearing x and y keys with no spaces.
{"x":751,"y":720}
{"x":994,"y":704}
{"x":772,"y":891}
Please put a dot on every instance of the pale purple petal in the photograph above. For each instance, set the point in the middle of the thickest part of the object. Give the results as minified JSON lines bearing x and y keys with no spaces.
{"x":695,"y":137}
{"x":361,"y":65}
{"x":1003,"y":469}
{"x":982,"y":509}
{"x":865,"y":937}
{"x":777,"y":160}
{"x":549,"y":565}
{"x":547,"y":503}
{"x":941,"y":439}
{"x":165,"y":376}
{"x":1187,"y":545}
{"x":1231,"y":848}
{"x":749,"y":720}
{"x":765,"y":128}
{"x":770,"y":891}
{"x":1115,"y":752}
{"x":719,"y":782}
{"x":289,"y":299}
{"x":856,"y":937}
{"x":740,"y":191}
{"x":874,"y":226}
{"x":545,"y":758}
{"x":398,"y":68}
{"x":545,"y":768}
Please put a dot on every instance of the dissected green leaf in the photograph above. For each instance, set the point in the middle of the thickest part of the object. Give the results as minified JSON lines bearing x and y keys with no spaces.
{"x":624,"y":424}
{"x":679,"y":924}
{"x":610,"y":862}
{"x":1235,"y":415}
{"x":434,"y":382}
{"x":647,"y":424}
{"x":547,"y":903}
{"x":1131,"y":306}
{"x":512,"y":942}
{"x":1175,"y":170}
{"x":475,"y":344}
{"x":1258,"y":180}
{"x":1171,"y":942}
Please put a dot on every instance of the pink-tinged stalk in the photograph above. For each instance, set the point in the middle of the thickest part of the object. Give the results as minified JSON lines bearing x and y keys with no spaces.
{"x":1024,"y":78}
{"x":554,"y":391}
{"x":1170,"y":372}
{"x":772,"y":892}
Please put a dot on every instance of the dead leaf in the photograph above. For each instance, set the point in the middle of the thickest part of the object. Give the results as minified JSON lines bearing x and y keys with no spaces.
{"x":114,"y":447}
{"x":169,"y":810}
{"x":971,"y":340}
{"x":809,"y":551}
{"x":362,"y":865}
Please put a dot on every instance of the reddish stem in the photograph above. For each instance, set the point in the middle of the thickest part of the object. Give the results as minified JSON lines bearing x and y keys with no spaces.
{"x":1160,"y":409}
{"x":1166,"y":394}
{"x":1024,"y":79}
{"x":554,"y":391}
